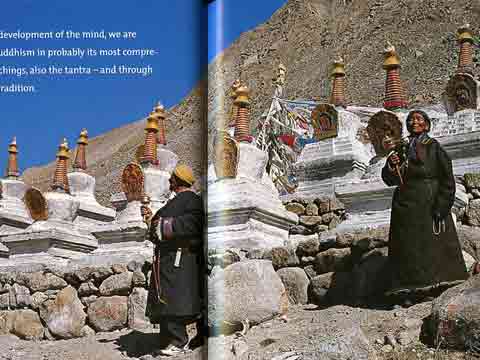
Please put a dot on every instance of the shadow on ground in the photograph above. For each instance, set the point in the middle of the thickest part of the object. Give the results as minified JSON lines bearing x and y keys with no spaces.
{"x":137,"y":343}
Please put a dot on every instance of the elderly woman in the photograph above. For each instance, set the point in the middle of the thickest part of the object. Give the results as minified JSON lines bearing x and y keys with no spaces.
{"x":423,"y":245}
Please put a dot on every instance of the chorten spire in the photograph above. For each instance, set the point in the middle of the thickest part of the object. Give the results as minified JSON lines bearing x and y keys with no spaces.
{"x":465,"y":58}
{"x":60,"y":179}
{"x":337,"y":96}
{"x":12,"y":169}
{"x":394,"y":93}
{"x":160,"y":114}
{"x":150,"y":147}
{"x":242,"y":124}
{"x":232,"y":119}
{"x":80,"y":163}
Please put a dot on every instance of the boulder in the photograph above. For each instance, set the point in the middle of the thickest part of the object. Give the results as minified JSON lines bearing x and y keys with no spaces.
{"x":308,"y":247}
{"x":295,"y":208}
{"x":39,"y":281}
{"x":311,"y":209}
{"x":327,"y":240}
{"x":119,"y":268}
{"x":326,"y":218}
{"x":368,"y":240}
{"x":310,"y":221}
{"x":135,"y":265}
{"x":38,"y":299}
{"x":95,"y":273}
{"x":473,"y":212}
{"x":310,"y":271}
{"x":86,"y":301}
{"x":5,"y":297}
{"x":334,"y":222}
{"x":472,"y":181}
{"x":64,"y":316}
{"x":19,"y":296}
{"x":245,"y":290}
{"x":323,"y":205}
{"x":333,"y":260}
{"x":320,"y":228}
{"x":300,"y":230}
{"x":87,"y":289}
{"x":138,"y":279}
{"x":87,"y":331}
{"x":7,"y":319}
{"x":470,"y":240}
{"x":455,"y":318}
{"x":137,"y":303}
{"x":224,"y":259}
{"x":108,"y":313}
{"x":27,"y":325}
{"x":344,"y":240}
{"x":296,"y":284}
{"x":119,"y":284}
{"x":281,"y":256}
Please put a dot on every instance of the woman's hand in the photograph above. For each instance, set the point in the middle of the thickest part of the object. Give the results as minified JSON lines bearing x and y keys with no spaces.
{"x":394,"y":159}
{"x":146,"y":214}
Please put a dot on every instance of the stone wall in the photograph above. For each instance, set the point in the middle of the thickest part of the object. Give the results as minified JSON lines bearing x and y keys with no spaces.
{"x":62,"y":304}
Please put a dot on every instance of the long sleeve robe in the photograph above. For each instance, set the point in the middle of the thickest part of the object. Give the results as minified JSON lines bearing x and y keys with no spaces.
{"x":180,"y":225}
{"x":417,"y":256}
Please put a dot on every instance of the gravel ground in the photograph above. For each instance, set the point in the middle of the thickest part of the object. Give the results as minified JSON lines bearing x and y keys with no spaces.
{"x":118,"y":345}
{"x":306,"y":327}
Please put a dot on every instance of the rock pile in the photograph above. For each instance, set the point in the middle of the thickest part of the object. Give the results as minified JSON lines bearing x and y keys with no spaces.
{"x":64,"y":304}
{"x":316,"y":215}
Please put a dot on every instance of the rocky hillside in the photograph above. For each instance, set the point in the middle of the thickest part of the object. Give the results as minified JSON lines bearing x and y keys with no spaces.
{"x":109,"y":153}
{"x":306,"y":35}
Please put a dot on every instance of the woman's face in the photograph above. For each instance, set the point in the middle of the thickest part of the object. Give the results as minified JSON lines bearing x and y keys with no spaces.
{"x":417,"y":124}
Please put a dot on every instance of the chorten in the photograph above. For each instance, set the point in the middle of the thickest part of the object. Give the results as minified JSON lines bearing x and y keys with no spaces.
{"x":14,"y":216}
{"x":82,"y":187}
{"x":52,"y":235}
{"x":243,"y":211}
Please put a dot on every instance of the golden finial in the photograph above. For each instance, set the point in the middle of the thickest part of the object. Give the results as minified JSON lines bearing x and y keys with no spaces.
{"x":12,"y":147}
{"x":465,"y":33}
{"x":391,"y":57}
{"x":83,"y":138}
{"x":63,"y":150}
{"x":242,"y":96}
{"x":338,"y":67}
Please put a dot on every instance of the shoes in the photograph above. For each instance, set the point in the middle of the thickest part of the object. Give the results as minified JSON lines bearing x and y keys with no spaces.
{"x":171,"y":350}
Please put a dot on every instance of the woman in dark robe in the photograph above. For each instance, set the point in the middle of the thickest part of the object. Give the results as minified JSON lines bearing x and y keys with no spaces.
{"x":423,"y":245}
{"x":176,"y":284}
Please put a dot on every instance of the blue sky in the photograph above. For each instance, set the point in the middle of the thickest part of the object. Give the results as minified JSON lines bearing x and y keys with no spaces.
{"x":63,"y":105}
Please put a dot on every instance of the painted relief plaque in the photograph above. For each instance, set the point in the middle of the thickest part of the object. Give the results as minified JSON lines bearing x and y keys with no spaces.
{"x":36,"y":204}
{"x":324,"y":122}
{"x":382,"y":126}
{"x":226,"y":155}
{"x":133,"y":182}
{"x":462,"y":93}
